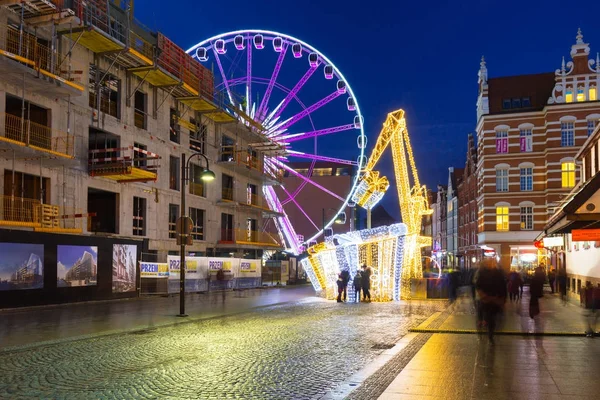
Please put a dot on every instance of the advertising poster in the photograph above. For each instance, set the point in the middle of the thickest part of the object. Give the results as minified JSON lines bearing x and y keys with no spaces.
{"x":248,"y":274}
{"x":21,"y":266}
{"x":76,"y":266}
{"x":195,"y":275}
{"x":226,"y":264}
{"x":154,"y":270}
{"x":124,"y":268}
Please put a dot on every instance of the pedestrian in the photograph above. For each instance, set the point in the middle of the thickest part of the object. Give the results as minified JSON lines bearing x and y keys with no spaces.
{"x":562,"y":284}
{"x":551,"y":279}
{"x":514,"y":285}
{"x":593,"y":313}
{"x":346,"y":277}
{"x":522,"y":276}
{"x":536,"y":290}
{"x":366,"y":282}
{"x":491,"y":293}
{"x":340,"y":287}
{"x":357,"y":281}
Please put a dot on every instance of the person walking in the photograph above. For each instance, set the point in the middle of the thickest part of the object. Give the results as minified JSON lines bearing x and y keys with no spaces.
{"x":346,"y":278}
{"x":514,"y":285}
{"x":357,"y":282}
{"x":562,"y":284}
{"x":551,"y":279}
{"x":366,"y":282}
{"x":491,"y":293}
{"x":536,"y":289}
{"x":340,"y":287}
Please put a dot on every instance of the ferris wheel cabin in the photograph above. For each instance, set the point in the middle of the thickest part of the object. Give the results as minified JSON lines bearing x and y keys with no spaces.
{"x":328,"y":71}
{"x":278,"y":44}
{"x":202,"y":54}
{"x":259,"y":42}
{"x":239,"y":42}
{"x":313,"y":60}
{"x":220,"y":46}
{"x":351,"y":104}
{"x":358,"y":121}
{"x":341,"y":87}
{"x":297,"y":50}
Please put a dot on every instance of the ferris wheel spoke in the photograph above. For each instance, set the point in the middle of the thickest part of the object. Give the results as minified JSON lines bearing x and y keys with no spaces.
{"x":315,"y":184}
{"x":291,"y":121}
{"x":249,"y":76}
{"x":279,"y":109}
{"x":294,"y":137}
{"x":320,"y":158}
{"x":293,"y":200}
{"x":223,"y":76}
{"x":262,"y":109}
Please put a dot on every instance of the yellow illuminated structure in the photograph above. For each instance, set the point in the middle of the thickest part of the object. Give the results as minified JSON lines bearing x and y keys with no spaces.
{"x":412,"y":196}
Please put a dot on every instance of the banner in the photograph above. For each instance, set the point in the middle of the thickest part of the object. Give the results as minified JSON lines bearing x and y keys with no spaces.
{"x":21,"y":266}
{"x":154,"y":270}
{"x":248,"y":266}
{"x":226,"y":264}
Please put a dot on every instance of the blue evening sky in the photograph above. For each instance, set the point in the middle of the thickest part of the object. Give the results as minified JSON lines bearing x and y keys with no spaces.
{"x":67,"y":255}
{"x":421,"y":56}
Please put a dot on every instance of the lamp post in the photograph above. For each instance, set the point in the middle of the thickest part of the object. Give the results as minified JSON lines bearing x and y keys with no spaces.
{"x":339,"y":219}
{"x":183,"y":233}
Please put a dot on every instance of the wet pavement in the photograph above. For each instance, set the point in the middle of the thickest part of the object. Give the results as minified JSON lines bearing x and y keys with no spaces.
{"x":35,"y":325}
{"x":297,"y":350}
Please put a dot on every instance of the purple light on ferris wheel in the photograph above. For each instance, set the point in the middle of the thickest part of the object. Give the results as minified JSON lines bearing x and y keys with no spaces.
{"x":297,"y":50}
{"x":309,"y":110}
{"x":301,"y":136}
{"x":262,"y":109}
{"x":277,"y":44}
{"x":320,"y":158}
{"x":259,"y":42}
{"x":238,"y":41}
{"x":299,"y":208}
{"x":220,"y":46}
{"x":292,"y":93}
{"x":225,"y":83}
{"x":299,"y":175}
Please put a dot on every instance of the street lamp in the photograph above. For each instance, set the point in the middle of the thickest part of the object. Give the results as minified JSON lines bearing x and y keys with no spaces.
{"x":339,"y":219}
{"x":183,"y":233}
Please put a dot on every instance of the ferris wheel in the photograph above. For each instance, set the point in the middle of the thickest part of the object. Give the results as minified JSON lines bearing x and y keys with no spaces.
{"x":301,"y":102}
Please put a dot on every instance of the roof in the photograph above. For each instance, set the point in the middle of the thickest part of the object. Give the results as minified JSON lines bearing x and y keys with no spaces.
{"x":538,"y":87}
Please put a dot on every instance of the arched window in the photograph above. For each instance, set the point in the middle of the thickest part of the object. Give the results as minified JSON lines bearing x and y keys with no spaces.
{"x":502,"y":178}
{"x":526,"y":215}
{"x":580,"y":93}
{"x":567,"y":131}
{"x":526,"y":177}
{"x":593,"y":93}
{"x":502,"y":217}
{"x":569,"y":95}
{"x":502,"y":141}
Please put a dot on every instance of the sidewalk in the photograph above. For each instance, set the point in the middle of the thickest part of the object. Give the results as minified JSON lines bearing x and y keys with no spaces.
{"x":465,"y":366}
{"x":37,"y":325}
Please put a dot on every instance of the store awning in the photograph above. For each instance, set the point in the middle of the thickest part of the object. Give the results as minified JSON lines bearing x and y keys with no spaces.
{"x":581,"y":210}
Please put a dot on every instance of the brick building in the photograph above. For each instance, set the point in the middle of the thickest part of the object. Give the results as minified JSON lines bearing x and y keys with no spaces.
{"x":529,"y":129}
{"x":467,"y":209}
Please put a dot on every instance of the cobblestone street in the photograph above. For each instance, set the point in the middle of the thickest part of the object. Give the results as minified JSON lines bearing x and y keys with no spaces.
{"x":299,"y":350}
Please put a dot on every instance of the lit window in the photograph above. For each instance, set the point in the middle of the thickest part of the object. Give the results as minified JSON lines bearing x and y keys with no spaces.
{"x":580,"y":94}
{"x":591,"y":125}
{"x":569,"y":95}
{"x":502,"y":218}
{"x":526,"y":218}
{"x":502,"y":142}
{"x":593,"y":94}
{"x":568,"y":174}
{"x":567,"y":134}
{"x":526,"y":141}
{"x":526,"y":179}
{"x":502,"y":180}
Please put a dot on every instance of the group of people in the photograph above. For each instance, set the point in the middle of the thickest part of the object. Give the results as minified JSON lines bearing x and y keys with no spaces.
{"x":361,"y":283}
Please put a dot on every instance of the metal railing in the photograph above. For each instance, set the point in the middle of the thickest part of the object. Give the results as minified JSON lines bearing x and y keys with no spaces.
{"x":227,"y":194}
{"x":106,"y":106}
{"x":18,"y":211}
{"x":197,"y":189}
{"x":139,"y":119}
{"x":33,"y":134}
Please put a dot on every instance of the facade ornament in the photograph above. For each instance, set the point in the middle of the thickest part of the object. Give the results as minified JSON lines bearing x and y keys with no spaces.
{"x":579,"y":36}
{"x":483,"y":76}
{"x":598,"y":63}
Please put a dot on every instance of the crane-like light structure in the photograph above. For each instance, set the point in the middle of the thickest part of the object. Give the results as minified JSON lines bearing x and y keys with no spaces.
{"x":412,"y":198}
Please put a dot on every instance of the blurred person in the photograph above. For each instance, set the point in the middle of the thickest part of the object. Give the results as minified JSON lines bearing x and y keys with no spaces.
{"x":346,"y":277}
{"x":592,"y":316}
{"x":340,"y":287}
{"x":551,"y":279}
{"x":491,"y":294}
{"x":536,"y":290}
{"x":562,"y":284}
{"x":366,"y":282}
{"x":357,"y":282}
{"x":514,"y":285}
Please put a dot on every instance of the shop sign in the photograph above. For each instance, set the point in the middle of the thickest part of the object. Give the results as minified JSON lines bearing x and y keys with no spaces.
{"x":489,"y":253}
{"x":585,"y":235}
{"x":555,"y":241}
{"x":154,"y":270}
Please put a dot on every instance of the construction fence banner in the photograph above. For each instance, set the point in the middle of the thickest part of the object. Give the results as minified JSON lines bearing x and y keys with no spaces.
{"x":154,"y":270}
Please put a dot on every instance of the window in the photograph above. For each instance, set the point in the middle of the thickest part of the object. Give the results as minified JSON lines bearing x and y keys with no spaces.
{"x":226,"y":227}
{"x":227,"y":148}
{"x":580,"y":94}
{"x":502,"y":142}
{"x":139,"y":160}
{"x":568,"y":174}
{"x":502,"y":218}
{"x":526,"y":218}
{"x":139,"y":216}
{"x":526,"y":179}
{"x":109,"y":100}
{"x":506,"y":104}
{"x":569,"y":95}
{"x":567,"y":134}
{"x":526,"y":102}
{"x":516,"y":103}
{"x":198,"y":137}
{"x":227,"y":187}
{"x":251,"y":230}
{"x":526,"y":140}
{"x":173,"y":126}
{"x":139,"y":109}
{"x":502,"y":180}
{"x":174,"y":171}
{"x":593,"y":93}
{"x":591,"y":125}
{"x":197,"y":217}
{"x":251,"y":193}
{"x":173,"y":215}
{"x":197,"y":186}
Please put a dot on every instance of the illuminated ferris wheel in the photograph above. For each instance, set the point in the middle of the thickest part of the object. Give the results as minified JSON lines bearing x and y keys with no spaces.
{"x":299,"y":100}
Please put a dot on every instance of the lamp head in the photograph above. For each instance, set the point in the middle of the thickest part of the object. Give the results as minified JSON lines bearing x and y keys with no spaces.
{"x":207,"y":175}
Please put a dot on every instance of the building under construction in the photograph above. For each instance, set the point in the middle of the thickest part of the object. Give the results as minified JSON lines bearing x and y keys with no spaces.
{"x":96,"y":113}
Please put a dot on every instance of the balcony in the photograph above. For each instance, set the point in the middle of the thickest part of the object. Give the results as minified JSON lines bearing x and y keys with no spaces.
{"x":248,"y":238}
{"x":25,"y":59}
{"x":31,"y":213}
{"x":126,"y":164}
{"x":26,"y":136}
